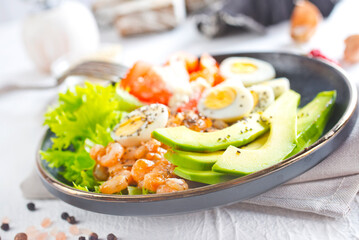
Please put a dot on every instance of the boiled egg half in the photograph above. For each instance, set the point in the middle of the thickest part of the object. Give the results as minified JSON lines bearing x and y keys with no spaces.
{"x":263,"y":97}
{"x":279,"y":85}
{"x":138,"y":125}
{"x":247,"y":70}
{"x":226,"y":102}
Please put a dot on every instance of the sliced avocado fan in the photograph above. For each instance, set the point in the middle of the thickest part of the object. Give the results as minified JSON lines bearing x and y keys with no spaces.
{"x":282,"y":115}
{"x":311,"y":121}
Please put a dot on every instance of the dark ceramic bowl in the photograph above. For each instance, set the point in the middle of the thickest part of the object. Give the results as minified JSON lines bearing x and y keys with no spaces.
{"x":307,"y":76}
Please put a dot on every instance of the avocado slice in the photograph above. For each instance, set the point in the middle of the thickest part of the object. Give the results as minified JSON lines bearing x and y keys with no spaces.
{"x":282,"y":116}
{"x":204,"y":161}
{"x":208,"y":177}
{"x":238,"y":134}
{"x":308,"y":132}
{"x":259,"y":142}
{"x":312,"y":119}
{"x":193,"y":160}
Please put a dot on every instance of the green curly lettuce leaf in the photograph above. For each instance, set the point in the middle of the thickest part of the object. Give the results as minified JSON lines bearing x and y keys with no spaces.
{"x":84,"y":114}
{"x":76,"y":167}
{"x":81,"y":110}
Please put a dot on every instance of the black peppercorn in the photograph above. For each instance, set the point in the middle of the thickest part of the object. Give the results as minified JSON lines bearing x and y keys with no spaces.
{"x":5,"y":226}
{"x":20,"y":236}
{"x":93,"y":236}
{"x":64,"y":215}
{"x":82,"y":238}
{"x":71,"y":220}
{"x":111,"y":236}
{"x":31,"y":206}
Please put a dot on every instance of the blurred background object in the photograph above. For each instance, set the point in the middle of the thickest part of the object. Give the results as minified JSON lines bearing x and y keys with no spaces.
{"x":304,"y":21}
{"x":351,"y":52}
{"x":140,"y":16}
{"x":253,"y":15}
{"x":69,"y":30}
{"x":57,"y":28}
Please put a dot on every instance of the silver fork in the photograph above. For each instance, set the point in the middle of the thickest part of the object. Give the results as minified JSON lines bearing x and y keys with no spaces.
{"x":102,"y":70}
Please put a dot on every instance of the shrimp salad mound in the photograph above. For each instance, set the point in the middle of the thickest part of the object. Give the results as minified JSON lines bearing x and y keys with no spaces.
{"x":188,"y":120}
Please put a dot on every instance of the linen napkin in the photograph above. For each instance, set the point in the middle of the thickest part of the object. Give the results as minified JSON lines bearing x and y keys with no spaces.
{"x":327,"y":189}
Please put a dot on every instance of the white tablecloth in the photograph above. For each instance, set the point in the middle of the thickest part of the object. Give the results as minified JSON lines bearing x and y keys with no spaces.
{"x":21,"y":128}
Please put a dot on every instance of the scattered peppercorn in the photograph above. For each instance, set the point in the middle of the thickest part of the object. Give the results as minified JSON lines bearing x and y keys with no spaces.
{"x":64,"y":215}
{"x":5,"y":226}
{"x":20,"y":236}
{"x":82,"y":238}
{"x":93,"y":236}
{"x":111,"y":236}
{"x":31,"y":206}
{"x":71,"y":220}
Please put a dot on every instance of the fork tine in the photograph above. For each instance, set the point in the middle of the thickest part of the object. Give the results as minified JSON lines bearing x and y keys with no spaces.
{"x":98,"y":69}
{"x":115,"y":69}
{"x":98,"y":64}
{"x":98,"y":72}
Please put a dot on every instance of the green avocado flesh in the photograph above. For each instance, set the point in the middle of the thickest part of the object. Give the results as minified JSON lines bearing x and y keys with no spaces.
{"x":204,"y":161}
{"x":311,"y":121}
{"x":282,"y":116}
{"x":193,"y":160}
{"x":208,"y":177}
{"x":238,"y":134}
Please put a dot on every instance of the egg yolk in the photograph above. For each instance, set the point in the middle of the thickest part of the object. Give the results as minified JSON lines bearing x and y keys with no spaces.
{"x":130,"y":126}
{"x":243,"y":67}
{"x":220,"y":98}
{"x":255,"y":98}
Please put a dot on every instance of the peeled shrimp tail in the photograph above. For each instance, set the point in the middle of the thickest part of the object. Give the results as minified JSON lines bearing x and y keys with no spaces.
{"x":117,"y":183}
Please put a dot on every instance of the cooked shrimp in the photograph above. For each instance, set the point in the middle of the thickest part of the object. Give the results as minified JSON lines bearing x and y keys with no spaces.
{"x":130,"y":153}
{"x":97,"y":151}
{"x":115,"y":169}
{"x":117,"y":183}
{"x":140,"y":168}
{"x":154,"y":156}
{"x":140,"y":152}
{"x":152,"y":145}
{"x":114,"y":152}
{"x":172,"y":185}
{"x":164,"y":167}
{"x":152,"y":180}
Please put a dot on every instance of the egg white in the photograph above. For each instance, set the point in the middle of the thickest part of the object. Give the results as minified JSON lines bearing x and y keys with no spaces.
{"x":279,"y":85}
{"x":156,"y":116}
{"x":264,"y":71}
{"x":240,"y":106}
{"x":265,"y":96}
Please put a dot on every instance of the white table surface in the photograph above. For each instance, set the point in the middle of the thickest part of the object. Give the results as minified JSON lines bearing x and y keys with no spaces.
{"x":21,"y":128}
